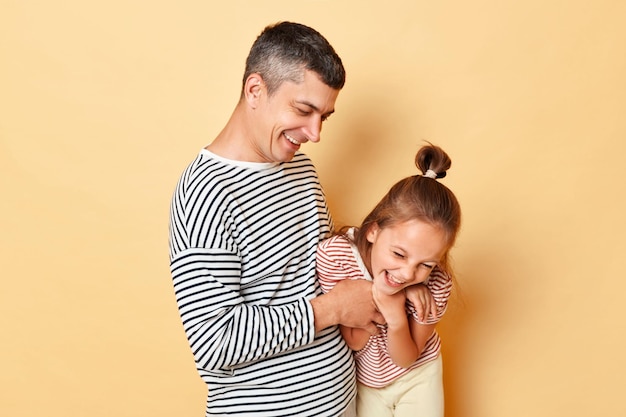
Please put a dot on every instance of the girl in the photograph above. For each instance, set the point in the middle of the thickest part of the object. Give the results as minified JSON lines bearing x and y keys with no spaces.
{"x":404,"y":242}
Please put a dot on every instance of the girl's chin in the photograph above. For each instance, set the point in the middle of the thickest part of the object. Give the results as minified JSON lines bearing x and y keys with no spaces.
{"x":387,"y":290}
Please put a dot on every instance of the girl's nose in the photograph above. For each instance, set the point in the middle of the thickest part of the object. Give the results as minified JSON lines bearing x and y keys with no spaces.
{"x":419,"y":274}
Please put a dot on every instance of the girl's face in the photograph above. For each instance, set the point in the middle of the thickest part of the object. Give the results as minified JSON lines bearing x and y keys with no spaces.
{"x":404,"y":254}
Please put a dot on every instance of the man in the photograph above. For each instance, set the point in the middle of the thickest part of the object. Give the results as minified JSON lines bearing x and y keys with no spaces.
{"x":246,"y":217}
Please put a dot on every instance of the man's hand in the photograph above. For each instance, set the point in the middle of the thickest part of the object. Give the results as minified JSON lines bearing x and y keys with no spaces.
{"x":350,"y":304}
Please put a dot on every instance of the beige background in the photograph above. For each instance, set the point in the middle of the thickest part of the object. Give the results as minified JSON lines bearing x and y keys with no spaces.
{"x":102,"y":104}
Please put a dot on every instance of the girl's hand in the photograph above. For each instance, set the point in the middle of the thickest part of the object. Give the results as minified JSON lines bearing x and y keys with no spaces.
{"x":422,"y":300}
{"x":392,"y":306}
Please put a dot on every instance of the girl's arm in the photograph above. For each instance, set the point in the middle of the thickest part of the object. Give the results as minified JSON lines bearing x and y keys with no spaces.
{"x":355,"y":338}
{"x":430,"y":302}
{"x":405,"y":337}
{"x":406,"y":341}
{"x":400,"y":343}
{"x":421,"y":333}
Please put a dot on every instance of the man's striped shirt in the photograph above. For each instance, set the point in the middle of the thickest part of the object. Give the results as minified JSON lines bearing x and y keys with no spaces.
{"x":243,"y":238}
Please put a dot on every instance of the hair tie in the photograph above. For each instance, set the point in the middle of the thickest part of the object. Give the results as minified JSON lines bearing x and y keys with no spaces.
{"x":430,"y":174}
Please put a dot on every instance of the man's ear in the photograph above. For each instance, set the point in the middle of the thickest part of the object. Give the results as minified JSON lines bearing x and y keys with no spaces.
{"x":253,"y":88}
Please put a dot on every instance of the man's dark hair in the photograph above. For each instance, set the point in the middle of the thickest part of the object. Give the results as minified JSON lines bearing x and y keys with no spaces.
{"x":283,"y":51}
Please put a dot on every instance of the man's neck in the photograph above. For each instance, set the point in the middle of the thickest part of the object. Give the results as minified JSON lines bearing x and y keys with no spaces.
{"x":232,"y":142}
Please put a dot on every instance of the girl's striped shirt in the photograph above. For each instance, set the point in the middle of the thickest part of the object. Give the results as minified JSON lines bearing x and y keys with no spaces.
{"x":339,"y":259}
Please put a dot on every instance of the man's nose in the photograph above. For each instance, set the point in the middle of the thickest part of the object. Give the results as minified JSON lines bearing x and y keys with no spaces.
{"x":314,"y":128}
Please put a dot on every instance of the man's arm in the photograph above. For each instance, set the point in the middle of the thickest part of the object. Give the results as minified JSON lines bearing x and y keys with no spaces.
{"x":224,"y":331}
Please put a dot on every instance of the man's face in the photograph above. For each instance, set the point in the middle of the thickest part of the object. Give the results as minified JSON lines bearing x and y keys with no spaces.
{"x":292,"y":116}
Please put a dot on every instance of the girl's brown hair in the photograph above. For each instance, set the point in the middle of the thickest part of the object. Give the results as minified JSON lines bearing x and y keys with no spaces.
{"x":418,"y":197}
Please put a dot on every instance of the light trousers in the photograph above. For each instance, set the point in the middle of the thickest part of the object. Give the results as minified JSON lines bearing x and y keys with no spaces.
{"x":418,"y":393}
